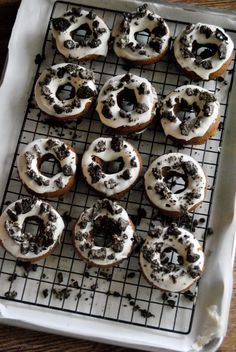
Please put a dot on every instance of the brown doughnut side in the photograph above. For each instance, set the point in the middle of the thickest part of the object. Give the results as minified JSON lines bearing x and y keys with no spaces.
{"x":132,"y":129}
{"x":52,"y":194}
{"x":201,"y":139}
{"x":221,"y":70}
{"x":192,"y":75}
{"x":36,"y":259}
{"x":71,"y":117}
{"x":138,"y":127}
{"x":83,"y":258}
{"x":83,"y":59}
{"x":150,"y":61}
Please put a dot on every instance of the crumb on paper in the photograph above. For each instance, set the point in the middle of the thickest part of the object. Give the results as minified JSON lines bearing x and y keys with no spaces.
{"x":211,"y":328}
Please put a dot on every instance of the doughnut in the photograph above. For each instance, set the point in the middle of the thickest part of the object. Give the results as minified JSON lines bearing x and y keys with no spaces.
{"x":190,"y":131}
{"x":30,"y":246}
{"x":203,"y":51}
{"x":158,"y":191}
{"x":166,"y":275}
{"x":85,"y":47}
{"x":107,"y":220}
{"x":52,"y":81}
{"x":132,"y":92}
{"x":31,"y":158}
{"x":127,"y":46}
{"x":117,"y":183}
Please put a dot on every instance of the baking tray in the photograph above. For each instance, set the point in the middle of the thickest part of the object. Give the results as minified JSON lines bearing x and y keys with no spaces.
{"x":82,"y":301}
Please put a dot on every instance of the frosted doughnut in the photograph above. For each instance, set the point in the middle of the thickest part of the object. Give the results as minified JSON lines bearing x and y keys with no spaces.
{"x":56,"y":77}
{"x":28,"y":246}
{"x":160,"y":194}
{"x":95,"y":42}
{"x":106,"y":150}
{"x":107,"y":219}
{"x":31,"y":158}
{"x":168,"y":276}
{"x":190,"y":131}
{"x":199,"y":65}
{"x":120,"y":120}
{"x":126,"y":45}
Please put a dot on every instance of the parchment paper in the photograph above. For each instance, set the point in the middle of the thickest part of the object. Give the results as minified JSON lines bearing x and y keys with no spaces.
{"x":211,"y":315}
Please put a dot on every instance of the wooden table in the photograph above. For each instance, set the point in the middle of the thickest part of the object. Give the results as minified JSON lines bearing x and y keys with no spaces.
{"x":15,"y":339}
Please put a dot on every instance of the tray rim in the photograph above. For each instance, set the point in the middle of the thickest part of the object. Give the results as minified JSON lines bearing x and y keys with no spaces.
{"x":19,"y":320}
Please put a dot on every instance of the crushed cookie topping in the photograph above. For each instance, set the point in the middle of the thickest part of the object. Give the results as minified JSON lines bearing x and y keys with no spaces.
{"x":100,"y":146}
{"x":95,"y":172}
{"x":141,"y":108}
{"x":117,"y":143}
{"x":143,"y":89}
{"x":60,"y":24}
{"x":106,"y":111}
{"x":111,"y":183}
{"x":85,"y":92}
{"x":67,"y":170}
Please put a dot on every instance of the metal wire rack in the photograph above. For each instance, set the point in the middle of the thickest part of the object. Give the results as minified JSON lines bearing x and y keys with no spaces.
{"x":63,"y":281}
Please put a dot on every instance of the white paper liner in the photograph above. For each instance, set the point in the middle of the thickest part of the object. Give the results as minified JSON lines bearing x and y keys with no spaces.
{"x":216,"y":285}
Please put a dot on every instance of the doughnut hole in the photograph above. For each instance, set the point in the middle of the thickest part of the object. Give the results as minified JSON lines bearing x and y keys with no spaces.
{"x":176,"y":182}
{"x":142,"y":37}
{"x":48,"y":165}
{"x":103,"y":230}
{"x":126,"y":99}
{"x":33,"y":226}
{"x":34,"y":238}
{"x":186,"y":112}
{"x":112,"y":166}
{"x":65,"y":92}
{"x":170,"y":257}
{"x":82,"y":34}
{"x":204,"y":51}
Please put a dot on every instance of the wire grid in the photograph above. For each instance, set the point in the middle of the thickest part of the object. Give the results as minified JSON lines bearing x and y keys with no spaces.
{"x":63,"y":281}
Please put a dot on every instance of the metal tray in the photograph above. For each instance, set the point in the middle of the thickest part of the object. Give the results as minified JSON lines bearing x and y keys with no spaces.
{"x":62,"y":284}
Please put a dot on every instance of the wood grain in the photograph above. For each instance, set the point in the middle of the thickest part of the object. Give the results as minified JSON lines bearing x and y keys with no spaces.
{"x":21,"y":340}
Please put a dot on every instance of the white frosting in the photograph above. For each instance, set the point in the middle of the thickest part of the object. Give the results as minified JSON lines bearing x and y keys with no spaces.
{"x":48,"y":83}
{"x":84,"y":240}
{"x":161,"y":195}
{"x":111,"y":184}
{"x":132,"y":118}
{"x":18,"y":243}
{"x":182,"y":275}
{"x":29,"y":159}
{"x":193,"y":35}
{"x":201,"y":124}
{"x":123,"y":36}
{"x":77,"y":50}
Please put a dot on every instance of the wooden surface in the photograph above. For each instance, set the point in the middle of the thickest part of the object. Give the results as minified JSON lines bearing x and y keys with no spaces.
{"x":20,"y":340}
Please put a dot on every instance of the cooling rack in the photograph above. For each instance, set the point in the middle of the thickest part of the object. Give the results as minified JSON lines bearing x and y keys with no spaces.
{"x":62,"y":281}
